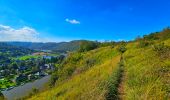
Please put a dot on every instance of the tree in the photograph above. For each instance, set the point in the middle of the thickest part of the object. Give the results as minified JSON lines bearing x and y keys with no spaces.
{"x":15,"y":66}
{"x":87,"y":46}
{"x":122,"y":48}
{"x":54,"y":78}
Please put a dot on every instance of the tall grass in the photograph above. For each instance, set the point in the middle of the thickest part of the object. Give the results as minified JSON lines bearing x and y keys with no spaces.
{"x":144,"y":81}
{"x":95,"y":75}
{"x":90,"y":84}
{"x":80,"y":62}
{"x":114,"y":81}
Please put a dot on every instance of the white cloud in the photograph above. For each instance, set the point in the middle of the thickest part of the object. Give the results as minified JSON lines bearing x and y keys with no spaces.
{"x":25,"y":33}
{"x":72,"y":21}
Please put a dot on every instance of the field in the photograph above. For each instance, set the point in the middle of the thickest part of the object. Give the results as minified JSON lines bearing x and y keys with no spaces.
{"x":28,"y":57}
{"x":4,"y":83}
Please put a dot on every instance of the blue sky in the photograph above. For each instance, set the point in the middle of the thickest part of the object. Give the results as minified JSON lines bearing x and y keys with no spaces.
{"x":65,"y":20}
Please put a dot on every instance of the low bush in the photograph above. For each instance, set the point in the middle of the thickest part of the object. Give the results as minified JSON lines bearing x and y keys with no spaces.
{"x":87,"y":46}
{"x":144,"y":43}
{"x":162,"y":50}
{"x":90,"y":62}
{"x":53,"y":79}
{"x":122,"y":49}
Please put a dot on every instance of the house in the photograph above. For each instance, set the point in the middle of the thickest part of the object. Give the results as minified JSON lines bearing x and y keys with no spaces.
{"x":31,"y":77}
{"x":22,"y":68}
{"x":43,"y":67}
{"x":37,"y":74}
{"x":47,"y":66}
{"x":20,"y":78}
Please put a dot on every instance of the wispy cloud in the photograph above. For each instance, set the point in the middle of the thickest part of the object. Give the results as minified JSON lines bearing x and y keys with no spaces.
{"x":72,"y":21}
{"x":25,"y":33}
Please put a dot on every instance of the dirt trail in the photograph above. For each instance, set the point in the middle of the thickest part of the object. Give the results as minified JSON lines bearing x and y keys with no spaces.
{"x":121,"y":92}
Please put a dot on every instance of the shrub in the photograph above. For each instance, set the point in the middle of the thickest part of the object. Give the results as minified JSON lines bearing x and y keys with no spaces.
{"x":162,"y":50}
{"x":70,"y":70}
{"x":54,"y":78}
{"x":152,"y":36}
{"x":74,"y":57}
{"x":87,"y":46}
{"x":105,"y":44}
{"x":90,"y":62}
{"x":122,"y":48}
{"x":144,"y":43}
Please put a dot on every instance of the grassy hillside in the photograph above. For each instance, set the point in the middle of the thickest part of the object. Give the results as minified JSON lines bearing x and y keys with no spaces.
{"x":89,"y":78}
{"x":147,"y":73}
{"x":141,"y":73}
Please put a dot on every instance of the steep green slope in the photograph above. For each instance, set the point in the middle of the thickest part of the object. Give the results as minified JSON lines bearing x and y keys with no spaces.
{"x":88,"y":80}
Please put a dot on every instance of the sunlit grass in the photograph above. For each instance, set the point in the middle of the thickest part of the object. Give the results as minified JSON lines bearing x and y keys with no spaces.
{"x":91,"y":84}
{"x":27,"y":57}
{"x":5,"y":83}
{"x":143,"y":79}
{"x":146,"y":75}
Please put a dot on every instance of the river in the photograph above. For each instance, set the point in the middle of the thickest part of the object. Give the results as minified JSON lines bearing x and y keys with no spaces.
{"x":24,"y":90}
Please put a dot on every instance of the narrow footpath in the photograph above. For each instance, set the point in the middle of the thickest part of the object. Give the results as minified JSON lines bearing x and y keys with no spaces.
{"x":121,"y":91}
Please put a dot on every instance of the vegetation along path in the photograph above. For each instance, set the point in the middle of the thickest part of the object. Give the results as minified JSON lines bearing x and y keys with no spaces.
{"x":121,"y":92}
{"x":115,"y":83}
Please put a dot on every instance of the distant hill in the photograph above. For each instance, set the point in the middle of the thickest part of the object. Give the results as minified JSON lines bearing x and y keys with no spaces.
{"x":61,"y":46}
{"x":8,"y":51}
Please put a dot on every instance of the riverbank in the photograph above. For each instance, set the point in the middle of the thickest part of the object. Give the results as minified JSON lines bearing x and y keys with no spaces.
{"x":23,"y":90}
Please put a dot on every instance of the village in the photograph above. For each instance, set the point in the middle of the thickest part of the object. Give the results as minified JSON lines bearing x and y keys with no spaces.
{"x":29,"y":68}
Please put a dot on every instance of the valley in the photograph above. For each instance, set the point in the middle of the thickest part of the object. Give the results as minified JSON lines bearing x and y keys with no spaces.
{"x":26,"y":66}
